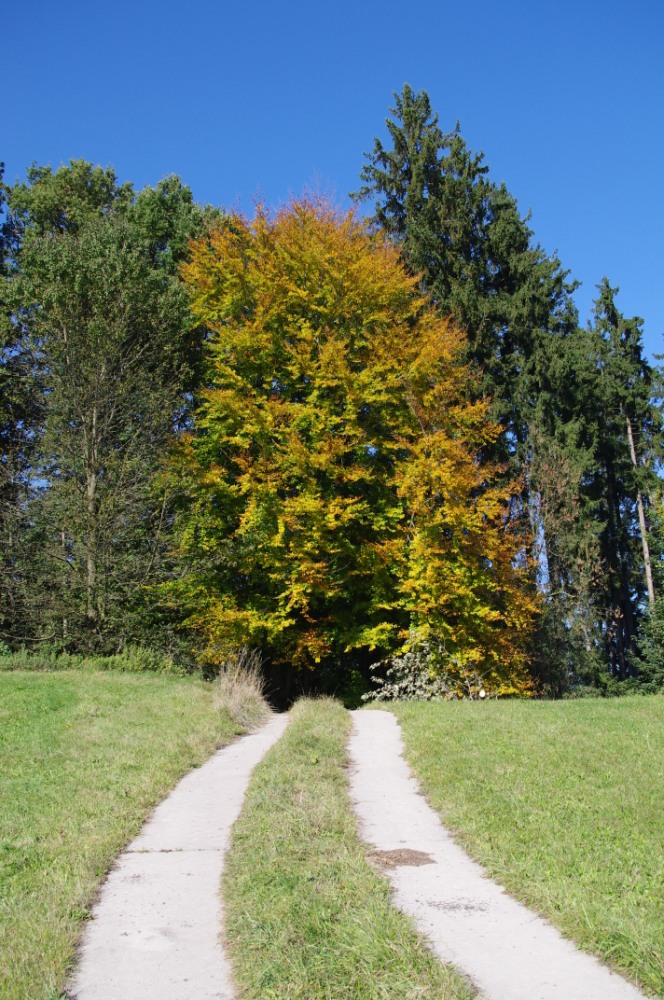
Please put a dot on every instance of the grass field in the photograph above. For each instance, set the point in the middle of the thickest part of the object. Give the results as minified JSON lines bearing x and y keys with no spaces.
{"x":83,"y":759}
{"x":563,"y":802}
{"x":306,"y":917}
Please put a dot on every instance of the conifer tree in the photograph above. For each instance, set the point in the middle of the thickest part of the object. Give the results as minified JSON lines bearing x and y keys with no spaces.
{"x":463,"y":235}
{"x":475,"y":256}
{"x":99,"y":321}
{"x":594,"y":471}
{"x":627,"y":428}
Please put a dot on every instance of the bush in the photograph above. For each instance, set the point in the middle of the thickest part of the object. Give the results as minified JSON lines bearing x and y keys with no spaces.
{"x":420,"y":674}
{"x":133,"y":659}
{"x":650,"y":675}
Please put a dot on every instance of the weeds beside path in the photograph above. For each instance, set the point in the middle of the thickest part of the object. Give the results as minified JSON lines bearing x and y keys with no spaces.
{"x":305,"y":915}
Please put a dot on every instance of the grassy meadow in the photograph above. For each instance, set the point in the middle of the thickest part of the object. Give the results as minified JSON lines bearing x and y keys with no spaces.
{"x":563,"y":803}
{"x":84,"y":757}
{"x":306,"y":916}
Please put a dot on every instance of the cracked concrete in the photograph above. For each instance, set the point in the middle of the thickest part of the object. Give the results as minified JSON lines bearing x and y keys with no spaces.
{"x":507,"y":951}
{"x":155,"y":932}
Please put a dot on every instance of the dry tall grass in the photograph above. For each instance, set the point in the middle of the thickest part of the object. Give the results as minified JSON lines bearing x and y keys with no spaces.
{"x":241,"y":688}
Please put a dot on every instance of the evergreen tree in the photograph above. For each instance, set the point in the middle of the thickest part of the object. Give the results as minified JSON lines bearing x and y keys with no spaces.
{"x":99,"y":316}
{"x":475,"y":255}
{"x":561,"y":455}
{"x":627,"y":426}
{"x":579,"y":425}
{"x":650,"y":677}
{"x":650,"y":640}
{"x":593,"y":444}
{"x":464,"y":236}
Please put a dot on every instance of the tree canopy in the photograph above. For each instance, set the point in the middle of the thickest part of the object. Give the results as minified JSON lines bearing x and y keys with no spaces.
{"x":338,"y":504}
{"x":576,"y":407}
{"x":101,"y":358}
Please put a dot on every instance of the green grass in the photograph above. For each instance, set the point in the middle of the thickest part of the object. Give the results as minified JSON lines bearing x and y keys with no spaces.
{"x":306,"y":917}
{"x":83,"y":759}
{"x":563,"y":803}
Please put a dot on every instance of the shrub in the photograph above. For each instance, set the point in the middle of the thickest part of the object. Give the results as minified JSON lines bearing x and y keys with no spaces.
{"x":421,"y":674}
{"x":133,"y":659}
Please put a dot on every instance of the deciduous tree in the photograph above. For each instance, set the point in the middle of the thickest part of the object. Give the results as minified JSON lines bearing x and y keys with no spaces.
{"x":338,"y":504}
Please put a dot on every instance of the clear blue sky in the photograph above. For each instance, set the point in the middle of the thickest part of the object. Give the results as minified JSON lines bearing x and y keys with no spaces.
{"x":565,"y":98}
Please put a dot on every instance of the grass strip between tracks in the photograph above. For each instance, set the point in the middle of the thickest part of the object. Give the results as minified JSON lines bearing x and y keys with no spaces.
{"x":305,"y":914}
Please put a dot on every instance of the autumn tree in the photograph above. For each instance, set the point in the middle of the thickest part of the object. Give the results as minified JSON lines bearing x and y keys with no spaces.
{"x":337,"y":505}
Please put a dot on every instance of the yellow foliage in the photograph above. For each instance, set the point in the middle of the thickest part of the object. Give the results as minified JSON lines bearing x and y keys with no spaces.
{"x":338,"y":501}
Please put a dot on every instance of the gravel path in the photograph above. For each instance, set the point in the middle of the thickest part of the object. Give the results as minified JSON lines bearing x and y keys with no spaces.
{"x":506,"y":950}
{"x":155,"y":932}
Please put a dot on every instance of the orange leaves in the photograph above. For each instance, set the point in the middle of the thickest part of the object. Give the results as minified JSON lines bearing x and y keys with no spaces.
{"x":336,"y":457}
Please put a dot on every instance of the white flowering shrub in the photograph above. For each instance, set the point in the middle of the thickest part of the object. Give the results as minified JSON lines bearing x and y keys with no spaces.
{"x":418,"y":674}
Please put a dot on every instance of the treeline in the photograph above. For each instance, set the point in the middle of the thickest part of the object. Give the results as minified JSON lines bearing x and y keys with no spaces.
{"x":274,"y":434}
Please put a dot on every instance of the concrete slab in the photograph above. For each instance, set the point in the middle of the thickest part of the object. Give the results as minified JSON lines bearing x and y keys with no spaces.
{"x":155,"y":932}
{"x":508,"y":951}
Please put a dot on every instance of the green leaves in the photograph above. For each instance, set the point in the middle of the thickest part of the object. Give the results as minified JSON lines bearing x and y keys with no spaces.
{"x":101,"y":334}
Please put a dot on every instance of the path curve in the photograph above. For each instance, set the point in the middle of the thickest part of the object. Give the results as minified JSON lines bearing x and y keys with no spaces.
{"x":507,"y":950}
{"x":155,"y":932}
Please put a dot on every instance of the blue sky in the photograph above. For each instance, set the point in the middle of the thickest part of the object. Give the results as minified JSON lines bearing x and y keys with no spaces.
{"x":566,"y":99}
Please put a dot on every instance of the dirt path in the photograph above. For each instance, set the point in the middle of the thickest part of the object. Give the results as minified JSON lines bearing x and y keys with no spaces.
{"x":507,"y":951}
{"x":155,"y":933}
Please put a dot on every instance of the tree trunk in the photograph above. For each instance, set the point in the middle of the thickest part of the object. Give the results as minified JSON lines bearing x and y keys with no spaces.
{"x":91,"y":554}
{"x":620,"y":608}
{"x":642,"y":522}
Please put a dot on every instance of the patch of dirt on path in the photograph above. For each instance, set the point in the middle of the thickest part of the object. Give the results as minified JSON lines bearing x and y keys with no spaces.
{"x":403,"y":856}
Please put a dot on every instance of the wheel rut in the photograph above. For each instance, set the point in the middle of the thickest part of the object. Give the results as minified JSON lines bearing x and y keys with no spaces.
{"x":155,"y":932}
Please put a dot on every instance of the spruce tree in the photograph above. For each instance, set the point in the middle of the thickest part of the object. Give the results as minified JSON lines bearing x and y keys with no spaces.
{"x":475,"y":254}
{"x":627,"y":430}
{"x":476,"y":257}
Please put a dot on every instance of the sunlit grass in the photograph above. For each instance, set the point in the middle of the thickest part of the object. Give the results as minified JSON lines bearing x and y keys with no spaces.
{"x":83,"y":759}
{"x":563,"y":802}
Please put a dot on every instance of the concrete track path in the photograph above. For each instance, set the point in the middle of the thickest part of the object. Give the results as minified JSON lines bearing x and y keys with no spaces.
{"x":155,"y":932}
{"x":507,"y":951}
